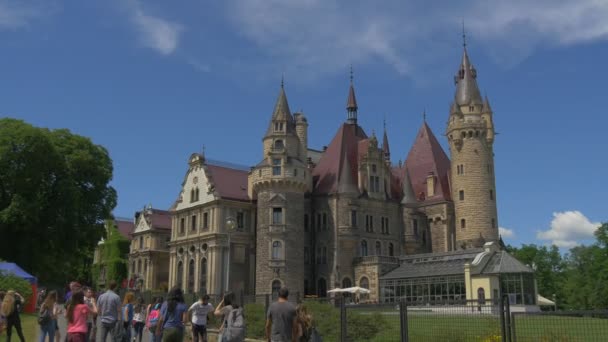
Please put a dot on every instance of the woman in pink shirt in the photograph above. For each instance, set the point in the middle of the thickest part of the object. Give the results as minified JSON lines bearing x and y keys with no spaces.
{"x":77,"y":315}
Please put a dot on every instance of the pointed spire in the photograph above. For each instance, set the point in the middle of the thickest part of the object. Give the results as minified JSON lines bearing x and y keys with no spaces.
{"x":345,"y":182}
{"x":281,"y":112}
{"x":385,"y":148}
{"x":486,"y":105}
{"x":408,"y":190}
{"x":467,"y":91}
{"x":351,"y":101}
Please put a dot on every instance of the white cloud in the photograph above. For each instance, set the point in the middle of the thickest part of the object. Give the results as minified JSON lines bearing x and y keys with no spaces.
{"x":324,"y":36}
{"x":506,"y":232}
{"x":199,"y":66}
{"x":568,"y":228}
{"x":154,"y":32}
{"x":16,"y":14}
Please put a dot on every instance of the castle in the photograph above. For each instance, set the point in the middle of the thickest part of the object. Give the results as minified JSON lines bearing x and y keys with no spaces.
{"x":315,"y":220}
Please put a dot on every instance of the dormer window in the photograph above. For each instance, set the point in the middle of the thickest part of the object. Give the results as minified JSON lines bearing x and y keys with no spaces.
{"x":278,"y":145}
{"x":471,"y":108}
{"x":278,"y":126}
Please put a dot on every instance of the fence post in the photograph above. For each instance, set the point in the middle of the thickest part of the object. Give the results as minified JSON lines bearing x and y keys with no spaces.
{"x":403,"y":320}
{"x":513,"y":333}
{"x":343,"y":321}
{"x":501,"y":314}
{"x":508,"y":319}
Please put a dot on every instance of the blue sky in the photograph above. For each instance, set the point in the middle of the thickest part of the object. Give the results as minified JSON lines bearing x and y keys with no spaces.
{"x":154,"y":81}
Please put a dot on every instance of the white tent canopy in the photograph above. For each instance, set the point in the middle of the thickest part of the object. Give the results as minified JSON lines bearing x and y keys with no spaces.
{"x":542,"y":301}
{"x":355,"y":289}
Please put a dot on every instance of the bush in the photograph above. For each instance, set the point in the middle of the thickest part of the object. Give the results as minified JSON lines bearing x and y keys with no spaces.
{"x":9,"y":281}
{"x":255,"y":319}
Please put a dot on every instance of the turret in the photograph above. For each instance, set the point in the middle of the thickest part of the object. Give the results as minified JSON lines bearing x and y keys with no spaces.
{"x":470,"y":135}
{"x":351,"y":102}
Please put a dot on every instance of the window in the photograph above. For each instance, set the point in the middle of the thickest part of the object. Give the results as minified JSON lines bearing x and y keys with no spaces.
{"x":260,"y":173}
{"x":363,"y":248}
{"x":180,"y":274}
{"x":182,"y":225}
{"x":463,"y":223}
{"x":240,"y":220}
{"x":278,"y":126}
{"x":322,"y":288}
{"x":295,"y":172}
{"x":141,"y":242}
{"x":415,"y":224}
{"x":364,"y":283}
{"x":471,"y":108}
{"x":367,"y":223}
{"x":491,"y":195}
{"x":493,"y":223}
{"x":371,"y":223}
{"x":276,"y":286}
{"x":276,"y":250}
{"x":353,"y":218}
{"x":193,"y":223}
{"x":391,"y":249}
{"x":276,"y":167}
{"x":196,"y":194}
{"x":324,"y":221}
{"x":277,"y":215}
{"x":374,"y":169}
{"x":203,"y":280}
{"x":191,"y":195}
{"x":306,"y":223}
{"x":139,"y":266}
{"x":324,"y":255}
{"x":318,"y":222}
{"x":384,"y":221}
{"x":461,"y":195}
{"x":278,"y":145}
{"x":205,"y":220}
{"x":374,"y":183}
{"x":346,"y":283}
{"x":306,"y":255}
{"x":191,"y":276}
{"x":378,"y":248}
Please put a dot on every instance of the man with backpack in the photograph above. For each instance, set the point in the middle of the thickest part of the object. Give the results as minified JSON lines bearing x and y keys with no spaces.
{"x":281,"y":321}
{"x":199,"y":311}
{"x":233,"y":320}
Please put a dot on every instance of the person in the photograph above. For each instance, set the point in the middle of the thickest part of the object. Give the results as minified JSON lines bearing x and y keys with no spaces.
{"x":139,"y":319}
{"x":172,"y":317}
{"x":155,"y":305}
{"x":49,"y":307}
{"x":223,"y":310}
{"x":304,"y":324}
{"x":199,"y":311}
{"x":127,"y":313}
{"x":109,"y":310}
{"x":11,"y":305}
{"x":2,"y":318}
{"x":89,"y":300}
{"x":281,"y":320}
{"x":77,"y":314}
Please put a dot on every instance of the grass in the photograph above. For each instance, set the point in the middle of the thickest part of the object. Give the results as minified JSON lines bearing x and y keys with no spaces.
{"x":30,"y":329}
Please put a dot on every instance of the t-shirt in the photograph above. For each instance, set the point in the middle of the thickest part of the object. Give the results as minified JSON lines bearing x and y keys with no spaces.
{"x":200,"y":312}
{"x":174,"y":319}
{"x":79,"y":321}
{"x":128,"y":309}
{"x":108,"y":306}
{"x":282,"y":315}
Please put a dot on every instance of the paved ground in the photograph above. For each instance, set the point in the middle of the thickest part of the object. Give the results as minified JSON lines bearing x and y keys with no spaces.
{"x":63,"y":326}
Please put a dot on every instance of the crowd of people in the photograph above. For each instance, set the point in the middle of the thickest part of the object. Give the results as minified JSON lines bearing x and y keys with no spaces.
{"x":126,"y":320}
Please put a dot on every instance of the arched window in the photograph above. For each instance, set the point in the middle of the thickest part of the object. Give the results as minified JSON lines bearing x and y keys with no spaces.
{"x":481,"y":295}
{"x":191,"y":276}
{"x":196,"y":194}
{"x":276,"y":286}
{"x":203,"y":280}
{"x":378,"y":248}
{"x":276,"y":250}
{"x":192,"y":195}
{"x":278,"y":144}
{"x":346,"y":283}
{"x":322,"y":288}
{"x":364,"y":283}
{"x":180,"y":274}
{"x":363,"y":248}
{"x":391,"y":249}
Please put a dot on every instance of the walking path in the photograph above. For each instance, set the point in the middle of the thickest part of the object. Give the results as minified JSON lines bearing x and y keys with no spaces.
{"x":62,"y":322}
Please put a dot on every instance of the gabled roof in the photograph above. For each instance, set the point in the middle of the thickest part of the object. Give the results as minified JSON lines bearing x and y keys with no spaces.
{"x":159,"y":219}
{"x":425,"y":156}
{"x":433,"y":264}
{"x":125,"y":227}
{"x":327,"y":172}
{"x":502,"y":262}
{"x":229,"y":183}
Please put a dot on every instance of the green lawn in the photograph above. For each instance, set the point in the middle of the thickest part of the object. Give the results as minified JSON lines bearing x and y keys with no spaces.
{"x":30,"y":329}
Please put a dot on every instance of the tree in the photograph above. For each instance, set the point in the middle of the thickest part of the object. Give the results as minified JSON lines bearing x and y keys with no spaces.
{"x":113,"y":252}
{"x":54,"y":197}
{"x":547,"y":263}
{"x":9,"y":281}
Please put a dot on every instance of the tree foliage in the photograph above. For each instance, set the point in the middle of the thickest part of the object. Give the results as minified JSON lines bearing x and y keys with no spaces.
{"x":579,"y":279}
{"x":9,"y":281}
{"x":113,"y":256}
{"x":54,"y":196}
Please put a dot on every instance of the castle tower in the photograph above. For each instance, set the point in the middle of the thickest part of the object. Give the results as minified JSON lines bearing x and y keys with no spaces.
{"x":470,"y":135}
{"x":279,"y":183}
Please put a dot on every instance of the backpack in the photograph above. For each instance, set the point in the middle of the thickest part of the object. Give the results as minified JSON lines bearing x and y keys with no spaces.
{"x":235,"y":331}
{"x":153,"y":317}
{"x":44,"y":317}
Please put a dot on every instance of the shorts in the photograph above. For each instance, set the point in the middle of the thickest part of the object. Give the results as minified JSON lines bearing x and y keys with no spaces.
{"x":199,"y":329}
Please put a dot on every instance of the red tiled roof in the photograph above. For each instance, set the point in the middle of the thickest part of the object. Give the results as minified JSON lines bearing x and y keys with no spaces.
{"x":229,"y":183}
{"x":426,"y":155}
{"x":160,"y":219}
{"x":125,"y":228}
{"x":327,"y":171}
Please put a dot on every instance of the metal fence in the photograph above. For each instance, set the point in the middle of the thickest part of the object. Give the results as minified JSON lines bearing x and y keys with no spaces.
{"x":560,"y":326}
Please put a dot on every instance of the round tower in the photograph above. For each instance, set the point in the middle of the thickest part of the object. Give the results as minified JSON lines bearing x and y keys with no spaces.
{"x":470,"y":135}
{"x":279,"y":183}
